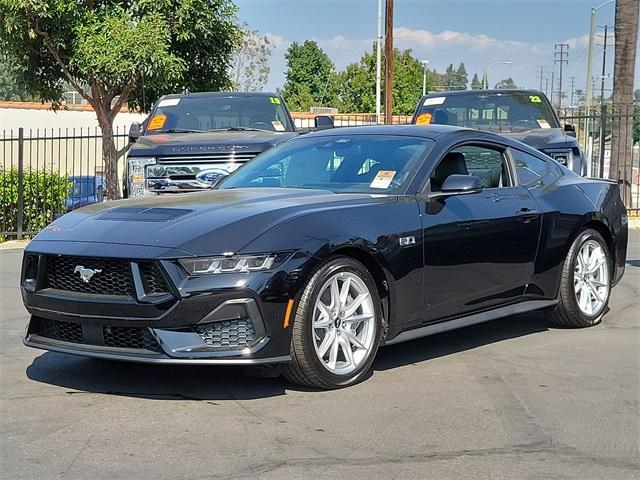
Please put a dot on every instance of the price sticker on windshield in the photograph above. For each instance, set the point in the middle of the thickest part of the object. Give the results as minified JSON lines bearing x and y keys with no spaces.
{"x":157,"y":122}
{"x":383,"y":179}
{"x":535,"y":99}
{"x":423,"y":119}
{"x":275,"y":100}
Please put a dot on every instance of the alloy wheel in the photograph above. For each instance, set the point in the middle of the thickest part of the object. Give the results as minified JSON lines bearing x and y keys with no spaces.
{"x":591,"y":278}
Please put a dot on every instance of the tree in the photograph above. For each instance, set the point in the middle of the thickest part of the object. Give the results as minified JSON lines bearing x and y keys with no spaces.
{"x":626,"y":39}
{"x":118,"y":52}
{"x":310,"y":78}
{"x":449,"y":79}
{"x":461,"y":78}
{"x":507,"y":83}
{"x":636,"y":95}
{"x":476,"y":84}
{"x":250,"y":62}
{"x":10,"y":87}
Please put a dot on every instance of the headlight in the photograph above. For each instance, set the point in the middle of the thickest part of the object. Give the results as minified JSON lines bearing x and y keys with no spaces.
{"x":232,"y":264}
{"x":565,"y":157}
{"x":136,"y":174}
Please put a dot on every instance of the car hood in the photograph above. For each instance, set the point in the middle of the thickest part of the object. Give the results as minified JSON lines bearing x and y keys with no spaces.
{"x":170,"y":144}
{"x":544,"y":138}
{"x":206,"y":223}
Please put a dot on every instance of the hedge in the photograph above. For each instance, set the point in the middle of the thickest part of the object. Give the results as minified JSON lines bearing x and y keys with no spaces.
{"x":44,"y":197}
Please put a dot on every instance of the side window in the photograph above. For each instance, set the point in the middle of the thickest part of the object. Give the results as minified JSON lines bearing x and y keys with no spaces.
{"x":486,"y":163}
{"x":529,"y":168}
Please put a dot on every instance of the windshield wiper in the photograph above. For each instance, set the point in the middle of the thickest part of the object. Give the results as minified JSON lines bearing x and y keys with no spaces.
{"x":179,"y":130}
{"x":239,"y":129}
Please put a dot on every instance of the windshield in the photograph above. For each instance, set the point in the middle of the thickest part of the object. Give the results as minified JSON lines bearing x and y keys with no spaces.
{"x":500,"y":112}
{"x":204,"y":113}
{"x":341,"y":163}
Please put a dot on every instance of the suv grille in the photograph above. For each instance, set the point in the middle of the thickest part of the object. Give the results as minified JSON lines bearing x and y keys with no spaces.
{"x":113,"y":278}
{"x":229,"y":334}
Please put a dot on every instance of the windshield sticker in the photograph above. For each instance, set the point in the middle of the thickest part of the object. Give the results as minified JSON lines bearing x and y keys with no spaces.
{"x":277,"y":126}
{"x":535,"y":99}
{"x":157,"y":122}
{"x":423,"y":119}
{"x":434,"y":101}
{"x":383,"y":179}
{"x":543,"y":123}
{"x":169,"y":102}
{"x":275,"y":100}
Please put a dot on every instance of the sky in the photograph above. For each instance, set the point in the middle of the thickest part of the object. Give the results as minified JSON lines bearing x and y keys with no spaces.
{"x":475,"y":32}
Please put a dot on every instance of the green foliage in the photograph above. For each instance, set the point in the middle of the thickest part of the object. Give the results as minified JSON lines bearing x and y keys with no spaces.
{"x":10,"y":87}
{"x":119,"y":46}
{"x":455,"y":79}
{"x":476,"y":84}
{"x":507,"y":83}
{"x":310,"y":80}
{"x":44,"y":196}
{"x":636,"y":95}
{"x":357,"y":83}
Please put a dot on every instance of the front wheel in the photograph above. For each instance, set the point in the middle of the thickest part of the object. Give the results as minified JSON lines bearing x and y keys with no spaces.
{"x":337,"y":326}
{"x":585,"y":285}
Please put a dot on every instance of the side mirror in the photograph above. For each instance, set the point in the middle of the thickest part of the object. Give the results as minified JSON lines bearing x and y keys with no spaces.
{"x":570,"y":129}
{"x":461,"y":184}
{"x":135,"y":132}
{"x":323,"y":122}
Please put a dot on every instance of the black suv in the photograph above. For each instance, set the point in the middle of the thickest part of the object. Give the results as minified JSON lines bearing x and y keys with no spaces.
{"x":191,"y":140}
{"x":525,"y":115}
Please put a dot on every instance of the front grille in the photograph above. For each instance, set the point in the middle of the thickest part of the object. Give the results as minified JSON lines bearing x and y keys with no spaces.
{"x":66,"y":331}
{"x":129,"y":337}
{"x":117,"y":337}
{"x":229,"y":334}
{"x":110,"y":277}
{"x":31,"y":267}
{"x":154,"y":282}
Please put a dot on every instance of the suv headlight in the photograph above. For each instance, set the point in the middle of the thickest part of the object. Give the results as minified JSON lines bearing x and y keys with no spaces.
{"x":136,"y":176}
{"x":565,"y":157}
{"x":233,"y":263}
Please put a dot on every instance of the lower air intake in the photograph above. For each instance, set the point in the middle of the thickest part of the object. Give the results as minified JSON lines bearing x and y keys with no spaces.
{"x":227,"y":335}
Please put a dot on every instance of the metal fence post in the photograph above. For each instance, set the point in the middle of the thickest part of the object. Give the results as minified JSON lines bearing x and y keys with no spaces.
{"x":20,"y":183}
{"x":603,"y":134}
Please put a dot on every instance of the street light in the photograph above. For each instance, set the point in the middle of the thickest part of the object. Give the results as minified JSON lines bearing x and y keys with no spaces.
{"x":424,"y":76}
{"x":485,"y":80}
{"x":590,"y":50}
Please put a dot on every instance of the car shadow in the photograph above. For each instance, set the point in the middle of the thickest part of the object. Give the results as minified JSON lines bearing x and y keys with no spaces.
{"x":211,"y":383}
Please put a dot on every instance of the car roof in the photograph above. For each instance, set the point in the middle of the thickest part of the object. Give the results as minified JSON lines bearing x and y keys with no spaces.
{"x":463,"y":93}
{"x":425,"y":131}
{"x":220,"y":94}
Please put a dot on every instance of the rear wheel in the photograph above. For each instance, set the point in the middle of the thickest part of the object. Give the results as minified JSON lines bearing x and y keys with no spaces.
{"x":585,"y":285}
{"x":337,"y":326}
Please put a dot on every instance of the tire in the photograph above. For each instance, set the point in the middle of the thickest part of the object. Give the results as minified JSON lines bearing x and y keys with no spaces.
{"x":317,"y":328}
{"x":572,"y":310}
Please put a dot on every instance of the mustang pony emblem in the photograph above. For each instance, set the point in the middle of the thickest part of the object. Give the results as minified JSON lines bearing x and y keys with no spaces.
{"x":86,"y":273}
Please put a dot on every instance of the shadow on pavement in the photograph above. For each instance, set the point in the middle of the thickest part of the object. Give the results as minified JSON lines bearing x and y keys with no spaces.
{"x":201,"y":383}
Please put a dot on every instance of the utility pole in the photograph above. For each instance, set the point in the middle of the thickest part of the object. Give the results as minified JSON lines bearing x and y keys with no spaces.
{"x":546,"y":86}
{"x":603,"y":109}
{"x":388,"y":74}
{"x":553,"y":85}
{"x":573,"y":82}
{"x":379,"y":64}
{"x":592,"y":29}
{"x":561,"y":58}
{"x":541,"y":67}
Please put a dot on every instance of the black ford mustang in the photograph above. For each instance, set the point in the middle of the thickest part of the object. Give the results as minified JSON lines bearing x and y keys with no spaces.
{"x":325,"y":248}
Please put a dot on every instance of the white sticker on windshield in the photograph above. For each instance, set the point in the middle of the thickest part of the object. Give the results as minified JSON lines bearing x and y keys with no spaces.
{"x":383,"y":179}
{"x":434,"y":101}
{"x":169,"y":102}
{"x":277,"y":126}
{"x":543,"y":123}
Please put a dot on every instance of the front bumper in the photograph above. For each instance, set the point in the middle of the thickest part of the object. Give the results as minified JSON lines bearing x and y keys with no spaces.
{"x":230,"y":319}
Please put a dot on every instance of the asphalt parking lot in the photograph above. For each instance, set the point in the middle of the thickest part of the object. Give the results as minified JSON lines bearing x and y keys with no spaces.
{"x":511,"y":399}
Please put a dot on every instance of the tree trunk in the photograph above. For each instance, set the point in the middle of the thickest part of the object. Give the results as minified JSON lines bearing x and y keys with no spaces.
{"x":626,"y":37}
{"x":109,"y":157}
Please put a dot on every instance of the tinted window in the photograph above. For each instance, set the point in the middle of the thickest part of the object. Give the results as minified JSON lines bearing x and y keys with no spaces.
{"x":347,"y":163}
{"x":485,"y":163}
{"x":202,"y":113}
{"x":528,"y":167}
{"x":500,"y":112}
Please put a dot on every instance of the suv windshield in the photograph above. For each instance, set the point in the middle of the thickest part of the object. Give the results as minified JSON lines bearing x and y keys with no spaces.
{"x":341,"y":163}
{"x":199,"y":113}
{"x":500,"y":112}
